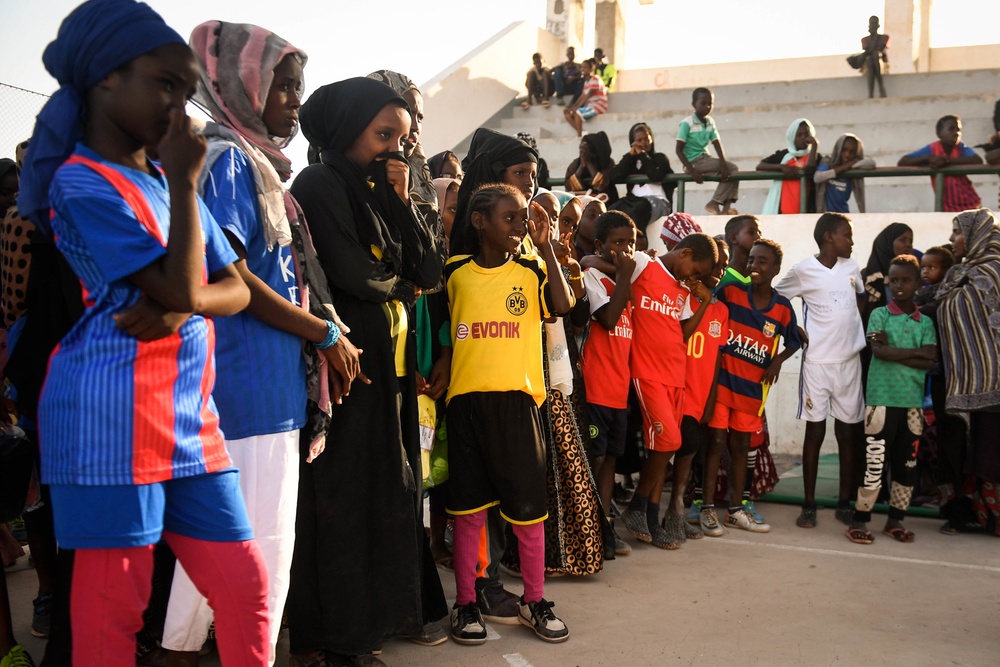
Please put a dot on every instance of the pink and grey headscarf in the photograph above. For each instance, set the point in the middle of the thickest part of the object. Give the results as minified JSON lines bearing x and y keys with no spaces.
{"x":238,"y":62}
{"x":676,"y":226}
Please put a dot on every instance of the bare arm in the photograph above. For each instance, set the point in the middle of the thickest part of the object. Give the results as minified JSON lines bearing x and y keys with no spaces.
{"x":174,"y":280}
{"x":609,"y":314}
{"x":539,"y":227}
{"x":225,"y":294}
{"x":697,"y":176}
{"x":914,"y":161}
{"x":813,"y":152}
{"x":274,"y":310}
{"x":702,"y":293}
{"x":923,"y":357}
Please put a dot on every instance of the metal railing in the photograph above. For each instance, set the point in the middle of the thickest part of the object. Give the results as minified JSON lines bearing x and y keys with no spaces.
{"x":804,"y":179}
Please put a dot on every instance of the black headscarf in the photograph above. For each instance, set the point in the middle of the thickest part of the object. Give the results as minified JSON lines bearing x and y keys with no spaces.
{"x":878,"y":268}
{"x":6,"y":164}
{"x":436,"y":163}
{"x":337,"y":113}
{"x":490,"y":154}
{"x":882,"y":253}
{"x":332,"y":119}
{"x":601,"y":146}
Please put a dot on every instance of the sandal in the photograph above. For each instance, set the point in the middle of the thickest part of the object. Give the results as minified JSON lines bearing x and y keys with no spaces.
{"x":807,"y":519}
{"x":900,"y":534}
{"x":948,"y":529}
{"x":446,"y":563}
{"x":545,"y":104}
{"x":859,"y":535}
{"x":525,"y":105}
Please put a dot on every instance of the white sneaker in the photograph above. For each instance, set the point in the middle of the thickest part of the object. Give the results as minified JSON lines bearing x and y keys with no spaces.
{"x":710,"y":523}
{"x":744,"y":520}
{"x":539,"y":617}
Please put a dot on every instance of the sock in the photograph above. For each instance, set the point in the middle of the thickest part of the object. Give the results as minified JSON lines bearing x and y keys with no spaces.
{"x":531,"y":549}
{"x":653,"y":515}
{"x":638,"y":502}
{"x":468,"y":530}
{"x":751,"y":466}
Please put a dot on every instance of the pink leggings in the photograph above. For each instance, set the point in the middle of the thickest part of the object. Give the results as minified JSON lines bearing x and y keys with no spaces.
{"x":531,"y":549}
{"x":111,"y":589}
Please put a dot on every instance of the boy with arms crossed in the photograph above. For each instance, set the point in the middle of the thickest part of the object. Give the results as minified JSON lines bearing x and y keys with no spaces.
{"x":904,"y":348}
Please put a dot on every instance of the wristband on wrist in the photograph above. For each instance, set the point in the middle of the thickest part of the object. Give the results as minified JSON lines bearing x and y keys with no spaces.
{"x":332,"y":336}
{"x":575,"y":278}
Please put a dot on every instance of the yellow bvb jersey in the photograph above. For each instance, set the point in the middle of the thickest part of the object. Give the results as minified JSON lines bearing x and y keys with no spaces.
{"x":496,"y":325}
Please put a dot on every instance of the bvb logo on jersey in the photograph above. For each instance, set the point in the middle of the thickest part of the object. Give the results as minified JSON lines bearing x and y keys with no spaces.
{"x":517,"y":304}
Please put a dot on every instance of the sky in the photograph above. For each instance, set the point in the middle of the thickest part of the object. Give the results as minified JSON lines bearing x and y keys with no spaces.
{"x":423,"y":37}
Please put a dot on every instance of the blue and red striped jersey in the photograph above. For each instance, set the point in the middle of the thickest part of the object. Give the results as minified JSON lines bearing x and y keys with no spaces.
{"x":754,"y":338}
{"x":115,"y":410}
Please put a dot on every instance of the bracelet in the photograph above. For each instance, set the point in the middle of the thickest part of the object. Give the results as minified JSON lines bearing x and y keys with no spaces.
{"x":576,"y":278}
{"x":332,"y":336}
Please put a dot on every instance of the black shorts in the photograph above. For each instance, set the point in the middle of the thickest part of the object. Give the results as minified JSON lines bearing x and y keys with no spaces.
{"x":694,"y":436}
{"x":608,"y":427}
{"x":496,"y":456}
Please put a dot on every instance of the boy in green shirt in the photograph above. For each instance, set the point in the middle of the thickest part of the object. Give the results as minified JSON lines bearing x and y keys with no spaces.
{"x":694,"y":135}
{"x":904,"y":348}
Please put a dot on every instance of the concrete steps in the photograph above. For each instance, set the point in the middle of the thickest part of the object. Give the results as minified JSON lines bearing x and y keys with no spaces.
{"x":752,"y":120}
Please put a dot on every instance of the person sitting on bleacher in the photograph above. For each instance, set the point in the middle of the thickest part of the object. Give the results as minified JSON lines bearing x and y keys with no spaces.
{"x":949,"y":150}
{"x":643,"y":160}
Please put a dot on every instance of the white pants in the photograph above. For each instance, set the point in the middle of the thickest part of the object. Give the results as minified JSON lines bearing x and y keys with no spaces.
{"x":269,"y":479}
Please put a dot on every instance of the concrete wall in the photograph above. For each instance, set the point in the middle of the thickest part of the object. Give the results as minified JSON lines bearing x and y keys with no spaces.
{"x":794,"y":233}
{"x":794,"y":69}
{"x":467,"y":94}
{"x":610,"y":29}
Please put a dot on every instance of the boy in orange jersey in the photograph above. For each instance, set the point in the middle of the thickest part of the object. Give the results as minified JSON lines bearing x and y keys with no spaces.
{"x":704,"y":356}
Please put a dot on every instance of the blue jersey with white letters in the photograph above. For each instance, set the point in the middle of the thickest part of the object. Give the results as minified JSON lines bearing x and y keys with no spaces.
{"x":261,"y":383}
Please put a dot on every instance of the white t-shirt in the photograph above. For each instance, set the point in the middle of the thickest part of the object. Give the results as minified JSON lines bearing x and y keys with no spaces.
{"x":830,"y":309}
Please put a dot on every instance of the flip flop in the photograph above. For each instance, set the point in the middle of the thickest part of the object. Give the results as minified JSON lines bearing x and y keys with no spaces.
{"x":446,"y":563}
{"x":900,"y":534}
{"x":545,"y":103}
{"x":525,"y":105}
{"x":859,"y":535}
{"x":948,"y":529}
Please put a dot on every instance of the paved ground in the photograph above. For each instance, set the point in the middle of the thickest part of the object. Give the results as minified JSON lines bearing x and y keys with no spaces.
{"x":790,"y":597}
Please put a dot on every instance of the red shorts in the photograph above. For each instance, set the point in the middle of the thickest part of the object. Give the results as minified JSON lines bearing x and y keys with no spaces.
{"x":662,"y":410}
{"x":729,"y":418}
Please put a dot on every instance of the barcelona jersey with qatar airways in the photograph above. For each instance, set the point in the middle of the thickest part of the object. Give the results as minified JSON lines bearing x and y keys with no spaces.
{"x":754,"y":338}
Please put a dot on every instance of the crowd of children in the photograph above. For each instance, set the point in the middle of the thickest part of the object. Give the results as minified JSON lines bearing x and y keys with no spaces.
{"x":260,"y":377}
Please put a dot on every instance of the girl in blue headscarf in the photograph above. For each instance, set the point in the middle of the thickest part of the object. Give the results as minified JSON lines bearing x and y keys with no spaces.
{"x":801,"y":155}
{"x":132,"y":448}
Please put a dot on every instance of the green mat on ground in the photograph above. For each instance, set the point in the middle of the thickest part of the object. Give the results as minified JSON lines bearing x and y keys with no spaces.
{"x":789,"y":488}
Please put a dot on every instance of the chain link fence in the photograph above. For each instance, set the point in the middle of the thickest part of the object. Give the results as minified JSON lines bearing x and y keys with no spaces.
{"x":18,"y":108}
